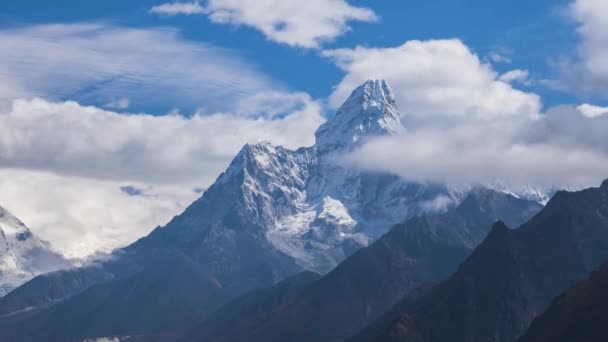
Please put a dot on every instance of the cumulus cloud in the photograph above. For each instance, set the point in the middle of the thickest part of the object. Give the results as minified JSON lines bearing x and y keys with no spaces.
{"x":103,"y":64}
{"x":177,"y":8}
{"x":433,"y":78}
{"x":305,"y":24}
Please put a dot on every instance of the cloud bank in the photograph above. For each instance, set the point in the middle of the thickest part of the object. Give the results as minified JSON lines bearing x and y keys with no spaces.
{"x":563,"y":148}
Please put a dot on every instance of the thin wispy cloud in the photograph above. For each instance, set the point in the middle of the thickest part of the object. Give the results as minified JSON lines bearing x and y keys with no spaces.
{"x":102,"y":64}
{"x":516,"y":76}
{"x":178,"y":8}
{"x":466,"y":123}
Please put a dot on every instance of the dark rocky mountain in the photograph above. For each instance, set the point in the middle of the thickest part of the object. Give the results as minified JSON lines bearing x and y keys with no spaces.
{"x":243,"y":313}
{"x":514,"y":274}
{"x":422,"y":250}
{"x":578,"y":315}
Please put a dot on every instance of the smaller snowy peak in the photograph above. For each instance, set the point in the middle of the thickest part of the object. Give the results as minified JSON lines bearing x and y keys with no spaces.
{"x":369,"y":111}
{"x":23,"y":255}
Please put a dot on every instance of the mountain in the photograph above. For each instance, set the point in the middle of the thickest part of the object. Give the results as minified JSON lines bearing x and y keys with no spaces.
{"x":420,"y":251}
{"x":272,"y":214}
{"x":580,"y":314}
{"x":243,"y":313}
{"x":22,"y":254}
{"x":514,"y":274}
{"x":275,"y":212}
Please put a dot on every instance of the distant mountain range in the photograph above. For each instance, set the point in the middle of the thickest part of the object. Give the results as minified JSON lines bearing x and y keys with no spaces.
{"x":273,"y":222}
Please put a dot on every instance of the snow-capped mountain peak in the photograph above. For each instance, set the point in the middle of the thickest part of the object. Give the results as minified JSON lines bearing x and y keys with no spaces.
{"x":369,"y":111}
{"x":10,"y":225}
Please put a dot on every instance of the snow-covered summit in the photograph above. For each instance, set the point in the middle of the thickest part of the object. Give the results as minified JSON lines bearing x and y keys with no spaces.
{"x":369,"y":111}
{"x":22,"y":254}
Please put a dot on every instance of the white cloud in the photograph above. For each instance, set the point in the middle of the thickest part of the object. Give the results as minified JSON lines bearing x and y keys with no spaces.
{"x":68,"y":138}
{"x":592,"y":111}
{"x":81,"y":216}
{"x":516,"y":75}
{"x":466,"y":123}
{"x":558,"y":148}
{"x":433,"y":78}
{"x":586,"y":72}
{"x":498,"y":57}
{"x":177,"y":8}
{"x":122,"y":103}
{"x":305,"y":24}
{"x":100,"y":63}
{"x":79,"y":158}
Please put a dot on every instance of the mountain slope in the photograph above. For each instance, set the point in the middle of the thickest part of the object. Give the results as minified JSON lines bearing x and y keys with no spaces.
{"x":580,"y":314}
{"x":23,"y":255}
{"x":422,"y":250}
{"x":243,"y":313}
{"x":514,"y":274}
{"x":164,"y":300}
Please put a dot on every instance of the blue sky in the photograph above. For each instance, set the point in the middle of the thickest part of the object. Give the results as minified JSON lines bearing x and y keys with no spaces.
{"x":530,"y":33}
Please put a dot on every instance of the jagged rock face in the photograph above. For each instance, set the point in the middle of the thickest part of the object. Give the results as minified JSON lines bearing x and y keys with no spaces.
{"x":23,"y":255}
